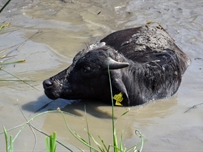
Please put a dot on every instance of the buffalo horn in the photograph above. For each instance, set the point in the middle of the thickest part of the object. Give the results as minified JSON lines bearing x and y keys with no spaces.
{"x":115,"y":64}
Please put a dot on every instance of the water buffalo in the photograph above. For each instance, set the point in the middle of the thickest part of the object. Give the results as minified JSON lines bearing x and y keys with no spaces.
{"x":144,"y":64}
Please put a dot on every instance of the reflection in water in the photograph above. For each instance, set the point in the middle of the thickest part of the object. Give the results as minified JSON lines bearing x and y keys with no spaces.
{"x":43,"y":104}
{"x":99,"y":119}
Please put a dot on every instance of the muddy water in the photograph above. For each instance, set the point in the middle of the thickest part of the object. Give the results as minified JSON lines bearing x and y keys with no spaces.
{"x":48,"y":33}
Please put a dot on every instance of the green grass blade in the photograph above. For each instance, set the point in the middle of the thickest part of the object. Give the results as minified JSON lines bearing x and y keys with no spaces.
{"x":54,"y":111}
{"x":98,"y":145}
{"x":26,"y":124}
{"x":47,"y":144}
{"x":139,"y":134}
{"x":50,"y":143}
{"x":12,"y":128}
{"x":19,"y":79}
{"x":115,"y":140}
{"x":76,"y":135}
{"x":11,"y":144}
{"x":121,"y":143}
{"x":112,"y":118}
{"x":6,"y":138}
{"x":104,"y":145}
{"x":88,"y":131}
{"x":54,"y":142}
{"x":1,"y":27}
{"x":134,"y":148}
{"x":8,"y":148}
{"x":123,"y":114}
{"x":18,"y":61}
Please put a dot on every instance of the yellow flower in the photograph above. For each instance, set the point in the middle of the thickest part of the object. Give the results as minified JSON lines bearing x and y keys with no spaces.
{"x":118,"y":98}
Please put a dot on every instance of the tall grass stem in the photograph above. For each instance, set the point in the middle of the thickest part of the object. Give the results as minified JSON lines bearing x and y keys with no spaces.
{"x":5,"y":5}
{"x":112,"y":102}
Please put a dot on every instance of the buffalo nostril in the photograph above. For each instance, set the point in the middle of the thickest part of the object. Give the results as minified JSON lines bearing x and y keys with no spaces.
{"x":47,"y":83}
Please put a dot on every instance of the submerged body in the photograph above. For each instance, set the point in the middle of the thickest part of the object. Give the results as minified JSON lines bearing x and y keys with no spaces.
{"x":144,"y":62}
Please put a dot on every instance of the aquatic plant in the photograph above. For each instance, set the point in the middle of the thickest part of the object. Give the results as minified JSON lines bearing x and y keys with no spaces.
{"x":9,"y":143}
{"x":51,"y":141}
{"x":5,"y":56}
{"x":117,"y":146}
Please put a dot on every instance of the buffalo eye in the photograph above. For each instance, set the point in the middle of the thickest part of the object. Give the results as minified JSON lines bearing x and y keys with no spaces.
{"x":86,"y":69}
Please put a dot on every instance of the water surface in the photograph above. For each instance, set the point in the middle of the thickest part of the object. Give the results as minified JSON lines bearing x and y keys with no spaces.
{"x":61,"y":29}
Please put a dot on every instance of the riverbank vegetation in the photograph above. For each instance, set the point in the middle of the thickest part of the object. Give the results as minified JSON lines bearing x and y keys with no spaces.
{"x":51,"y":140}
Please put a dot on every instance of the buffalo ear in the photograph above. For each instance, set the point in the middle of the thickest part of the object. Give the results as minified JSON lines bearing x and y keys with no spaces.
{"x":113,"y":64}
{"x":118,"y":84}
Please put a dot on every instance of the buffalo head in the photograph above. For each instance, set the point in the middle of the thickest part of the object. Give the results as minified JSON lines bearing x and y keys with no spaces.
{"x":87,"y":77}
